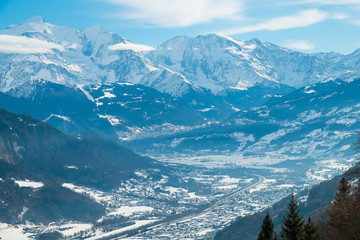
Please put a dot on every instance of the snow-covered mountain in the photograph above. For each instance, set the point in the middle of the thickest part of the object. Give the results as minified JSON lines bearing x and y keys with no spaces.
{"x":129,"y":89}
{"x":121,"y":111}
{"x":178,"y":66}
{"x":73,"y":57}
{"x":220,"y":63}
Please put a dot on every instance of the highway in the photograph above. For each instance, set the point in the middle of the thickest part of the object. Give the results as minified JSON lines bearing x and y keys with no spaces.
{"x":186,"y":217}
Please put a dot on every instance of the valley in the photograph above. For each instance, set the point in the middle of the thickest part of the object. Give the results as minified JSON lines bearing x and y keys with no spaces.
{"x":102,"y":138}
{"x":150,"y":206}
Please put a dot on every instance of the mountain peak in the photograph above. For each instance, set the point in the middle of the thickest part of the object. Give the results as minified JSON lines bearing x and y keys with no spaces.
{"x":35,"y":19}
{"x":96,"y":28}
{"x":355,"y":53}
{"x":94,"y":32}
{"x":256,"y":40}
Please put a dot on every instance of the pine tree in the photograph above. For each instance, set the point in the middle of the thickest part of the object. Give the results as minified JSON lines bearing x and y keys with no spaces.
{"x":343,"y":194}
{"x":276,"y":236}
{"x":311,"y":231}
{"x":341,"y":214}
{"x":356,"y":209}
{"x":267,"y":229}
{"x":293,"y":223}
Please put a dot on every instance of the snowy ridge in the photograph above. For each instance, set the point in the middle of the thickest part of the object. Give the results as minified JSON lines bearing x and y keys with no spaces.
{"x":71,"y":57}
{"x":179,"y":66}
{"x":218,"y":63}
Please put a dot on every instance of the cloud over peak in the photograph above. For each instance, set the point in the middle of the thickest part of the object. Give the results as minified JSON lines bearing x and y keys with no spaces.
{"x":21,"y":44}
{"x":298,"y":45}
{"x":177,"y":13}
{"x":301,"y":19}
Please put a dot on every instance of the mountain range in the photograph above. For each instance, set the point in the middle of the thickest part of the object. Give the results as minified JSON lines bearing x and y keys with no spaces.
{"x":200,"y":80}
{"x":209,"y":101}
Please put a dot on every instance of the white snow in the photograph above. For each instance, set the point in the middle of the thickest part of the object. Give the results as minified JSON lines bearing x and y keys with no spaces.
{"x":286,"y":185}
{"x":130,"y":46}
{"x":193,"y":195}
{"x":174,"y":190}
{"x":227,"y":179}
{"x":137,"y":224}
{"x":347,"y":121}
{"x":257,"y":188}
{"x":58,"y":116}
{"x":226,"y":187}
{"x":130,"y":210}
{"x":205,"y":109}
{"x":141,"y":174}
{"x":71,"y":229}
{"x":107,"y":95}
{"x":28,"y":183}
{"x":87,"y":94}
{"x":112,"y":119}
{"x":71,"y":167}
{"x":94,"y":194}
{"x":10,"y":232}
{"x":273,"y":136}
{"x":309,"y":115}
{"x":204,"y":231}
{"x":303,"y":198}
{"x":310,"y":91}
{"x":345,"y":147}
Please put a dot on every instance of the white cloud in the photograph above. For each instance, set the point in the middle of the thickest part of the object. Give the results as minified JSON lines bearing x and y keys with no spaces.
{"x":21,"y":44}
{"x":340,"y":16}
{"x":302,"y":19}
{"x":356,"y":22}
{"x":333,"y":2}
{"x":178,"y":13}
{"x":298,"y":45}
{"x":130,"y":46}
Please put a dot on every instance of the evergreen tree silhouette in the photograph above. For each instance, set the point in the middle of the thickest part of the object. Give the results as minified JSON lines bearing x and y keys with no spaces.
{"x":311,"y":231}
{"x":341,"y":214}
{"x":267,"y":229}
{"x":293,"y":223}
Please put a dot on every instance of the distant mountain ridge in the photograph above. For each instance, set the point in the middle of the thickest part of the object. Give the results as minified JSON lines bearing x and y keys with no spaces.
{"x":179,"y":65}
{"x":187,"y":82}
{"x":311,"y":124}
{"x":84,"y":57}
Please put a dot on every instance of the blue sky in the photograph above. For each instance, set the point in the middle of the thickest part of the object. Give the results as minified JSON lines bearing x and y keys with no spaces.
{"x":305,"y":25}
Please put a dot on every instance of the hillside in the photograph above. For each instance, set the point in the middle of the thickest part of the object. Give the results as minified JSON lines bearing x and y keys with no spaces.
{"x":36,"y":159}
{"x":314,"y":122}
{"x":312,"y":203}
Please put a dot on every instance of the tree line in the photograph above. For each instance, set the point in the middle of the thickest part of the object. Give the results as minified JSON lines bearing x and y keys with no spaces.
{"x":341,"y":221}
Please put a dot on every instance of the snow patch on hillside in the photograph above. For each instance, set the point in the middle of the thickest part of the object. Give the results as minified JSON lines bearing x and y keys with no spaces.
{"x":28,"y":183}
{"x":67,"y":119}
{"x":130,"y":210}
{"x":137,"y":224}
{"x":10,"y":232}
